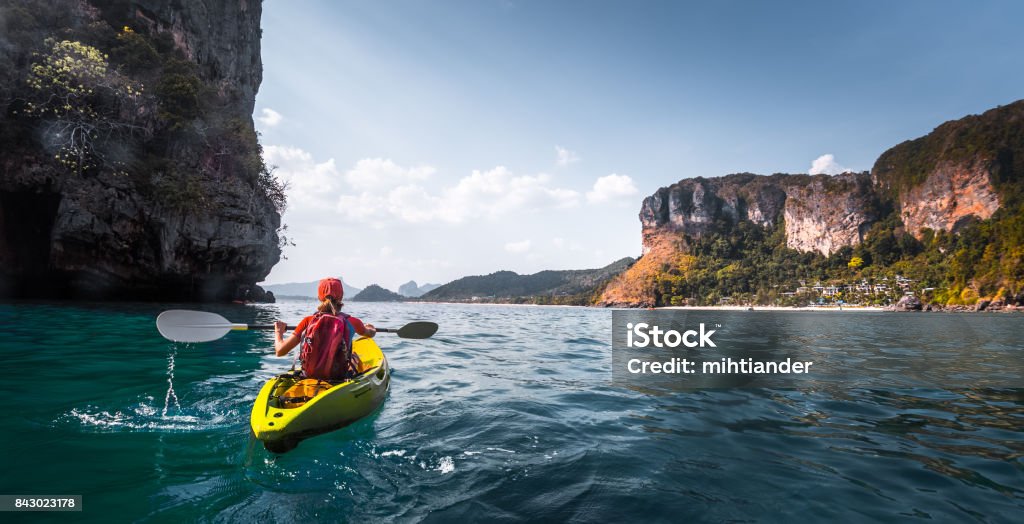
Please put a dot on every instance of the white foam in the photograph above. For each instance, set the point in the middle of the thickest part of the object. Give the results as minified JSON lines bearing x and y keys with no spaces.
{"x":144,"y":417}
{"x":447,"y":465}
{"x":394,"y":453}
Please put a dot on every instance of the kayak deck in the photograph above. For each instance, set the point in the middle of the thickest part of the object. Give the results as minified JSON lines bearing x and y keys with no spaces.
{"x":290,"y":408}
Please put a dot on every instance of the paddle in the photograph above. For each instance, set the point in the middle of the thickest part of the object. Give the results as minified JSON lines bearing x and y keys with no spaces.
{"x":183,"y":325}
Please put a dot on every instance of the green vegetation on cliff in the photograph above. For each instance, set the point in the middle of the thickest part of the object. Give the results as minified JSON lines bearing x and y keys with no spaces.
{"x":743,"y":263}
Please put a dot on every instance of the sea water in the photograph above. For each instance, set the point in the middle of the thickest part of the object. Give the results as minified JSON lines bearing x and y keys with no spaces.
{"x":507,"y":413}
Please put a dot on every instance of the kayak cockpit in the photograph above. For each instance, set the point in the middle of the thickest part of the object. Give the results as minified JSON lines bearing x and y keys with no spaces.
{"x":293,"y":391}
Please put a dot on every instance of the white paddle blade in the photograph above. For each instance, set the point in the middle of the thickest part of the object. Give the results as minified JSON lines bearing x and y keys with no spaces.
{"x":182,"y":325}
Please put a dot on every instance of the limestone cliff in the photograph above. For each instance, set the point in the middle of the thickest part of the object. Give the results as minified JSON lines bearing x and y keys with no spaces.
{"x":950,"y":196}
{"x":821,"y":213}
{"x":828,"y":213}
{"x":168,"y":198}
{"x":707,"y":239}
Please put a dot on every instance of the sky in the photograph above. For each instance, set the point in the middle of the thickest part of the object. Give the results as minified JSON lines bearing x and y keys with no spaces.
{"x":430,"y":140}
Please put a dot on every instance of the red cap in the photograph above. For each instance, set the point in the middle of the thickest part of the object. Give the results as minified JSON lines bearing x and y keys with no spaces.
{"x":330,"y":287}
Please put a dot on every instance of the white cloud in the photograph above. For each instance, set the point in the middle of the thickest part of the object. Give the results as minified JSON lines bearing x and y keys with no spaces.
{"x":309,"y":183}
{"x":565,"y":157}
{"x":396,"y":193}
{"x":518,"y":247}
{"x":378,"y":191}
{"x":611,"y":187}
{"x":374,"y":174}
{"x":269,"y":118}
{"x":826,"y":164}
{"x":499,"y":191}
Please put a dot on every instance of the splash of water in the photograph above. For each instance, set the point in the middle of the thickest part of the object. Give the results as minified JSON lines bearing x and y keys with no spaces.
{"x":171,"y":395}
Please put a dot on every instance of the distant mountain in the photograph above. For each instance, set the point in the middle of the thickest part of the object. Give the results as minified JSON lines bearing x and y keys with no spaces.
{"x":375,"y":293}
{"x":306,"y":289}
{"x":410,"y":289}
{"x":577,"y":287}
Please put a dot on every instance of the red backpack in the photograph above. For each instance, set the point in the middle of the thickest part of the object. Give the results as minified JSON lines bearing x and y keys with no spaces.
{"x":327,"y":347}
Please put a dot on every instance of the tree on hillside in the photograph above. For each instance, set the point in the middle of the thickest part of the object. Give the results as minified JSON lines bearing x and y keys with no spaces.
{"x":82,"y":103}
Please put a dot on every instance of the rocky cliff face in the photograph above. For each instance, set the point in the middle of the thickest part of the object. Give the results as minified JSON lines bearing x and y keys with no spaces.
{"x":176,"y":207}
{"x":950,"y":196}
{"x":828,"y":213}
{"x":821,"y":213}
{"x":221,"y":37}
{"x":693,"y":206}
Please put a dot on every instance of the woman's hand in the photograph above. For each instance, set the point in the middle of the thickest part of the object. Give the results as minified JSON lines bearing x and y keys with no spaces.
{"x":282,"y":346}
{"x":370,"y":330}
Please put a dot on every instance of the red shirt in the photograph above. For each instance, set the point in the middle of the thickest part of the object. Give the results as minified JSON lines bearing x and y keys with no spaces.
{"x":304,"y":323}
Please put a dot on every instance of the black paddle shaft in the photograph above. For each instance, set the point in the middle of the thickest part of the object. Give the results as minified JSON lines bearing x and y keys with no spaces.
{"x":267,"y":326}
{"x":414,"y":330}
{"x":271,"y":326}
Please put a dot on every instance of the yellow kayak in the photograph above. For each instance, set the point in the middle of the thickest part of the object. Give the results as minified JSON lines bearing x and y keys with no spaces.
{"x":290,"y":408}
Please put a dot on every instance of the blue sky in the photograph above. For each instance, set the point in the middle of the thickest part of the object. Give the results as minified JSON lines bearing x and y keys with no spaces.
{"x":430,"y":140}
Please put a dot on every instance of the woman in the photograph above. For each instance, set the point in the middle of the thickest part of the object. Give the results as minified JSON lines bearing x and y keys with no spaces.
{"x":329,"y":292}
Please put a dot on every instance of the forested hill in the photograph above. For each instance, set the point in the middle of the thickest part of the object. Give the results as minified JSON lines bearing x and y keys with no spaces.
{"x":578,"y":287}
{"x":375,"y":293}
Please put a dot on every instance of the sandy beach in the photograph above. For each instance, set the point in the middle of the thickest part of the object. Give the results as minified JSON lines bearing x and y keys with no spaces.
{"x":777,"y":308}
{"x":685,"y":308}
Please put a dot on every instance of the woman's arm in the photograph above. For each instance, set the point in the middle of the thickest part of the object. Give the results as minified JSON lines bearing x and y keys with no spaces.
{"x":366,"y":330}
{"x":282,"y":346}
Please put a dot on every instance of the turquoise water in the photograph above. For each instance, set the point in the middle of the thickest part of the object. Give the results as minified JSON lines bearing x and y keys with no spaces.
{"x":507,"y":414}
